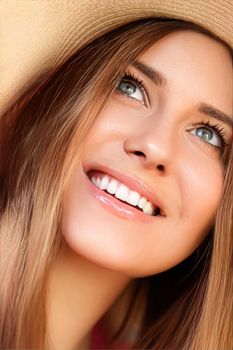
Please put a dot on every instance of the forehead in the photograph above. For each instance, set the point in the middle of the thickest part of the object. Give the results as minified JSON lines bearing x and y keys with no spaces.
{"x":195,"y":64}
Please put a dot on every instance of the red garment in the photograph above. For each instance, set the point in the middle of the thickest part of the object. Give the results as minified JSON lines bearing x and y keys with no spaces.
{"x":99,"y":340}
{"x":98,"y":337}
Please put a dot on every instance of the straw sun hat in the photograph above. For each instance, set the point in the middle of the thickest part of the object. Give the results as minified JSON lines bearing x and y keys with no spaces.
{"x":37,"y":36}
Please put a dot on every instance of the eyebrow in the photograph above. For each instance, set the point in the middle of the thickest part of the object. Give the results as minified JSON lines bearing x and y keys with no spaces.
{"x":159,"y":79}
{"x":215,"y":113}
{"x":155,"y":76}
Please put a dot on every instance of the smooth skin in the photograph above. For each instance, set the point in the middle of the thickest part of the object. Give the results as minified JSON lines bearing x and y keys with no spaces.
{"x":156,"y":135}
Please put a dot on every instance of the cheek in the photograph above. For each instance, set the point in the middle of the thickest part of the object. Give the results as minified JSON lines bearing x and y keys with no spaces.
{"x":114,"y":123}
{"x":202,"y":184}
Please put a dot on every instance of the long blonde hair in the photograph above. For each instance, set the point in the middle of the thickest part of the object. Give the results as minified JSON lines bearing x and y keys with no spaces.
{"x":43,"y":146}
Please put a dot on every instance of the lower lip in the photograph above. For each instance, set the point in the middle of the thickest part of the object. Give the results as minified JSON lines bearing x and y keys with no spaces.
{"x":115,"y":206}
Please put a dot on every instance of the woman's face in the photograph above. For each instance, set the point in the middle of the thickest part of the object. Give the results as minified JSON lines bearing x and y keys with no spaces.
{"x":154,"y":141}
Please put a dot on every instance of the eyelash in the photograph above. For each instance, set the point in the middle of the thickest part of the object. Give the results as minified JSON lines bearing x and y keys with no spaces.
{"x":133,"y":78}
{"x":217,"y":128}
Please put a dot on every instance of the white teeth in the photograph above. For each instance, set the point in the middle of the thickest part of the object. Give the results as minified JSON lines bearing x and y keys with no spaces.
{"x":104,"y":182}
{"x":112,"y":187}
{"x":93,"y":180}
{"x":133,"y":198}
{"x":98,"y":182}
{"x":148,"y":209}
{"x":122,"y":192}
{"x":142,"y":202}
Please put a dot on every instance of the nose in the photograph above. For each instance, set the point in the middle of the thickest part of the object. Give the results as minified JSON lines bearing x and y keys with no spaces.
{"x":153,"y":145}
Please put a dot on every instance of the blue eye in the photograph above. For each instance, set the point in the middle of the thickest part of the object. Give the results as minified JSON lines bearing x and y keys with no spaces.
{"x":212,"y":134}
{"x":132,"y":87}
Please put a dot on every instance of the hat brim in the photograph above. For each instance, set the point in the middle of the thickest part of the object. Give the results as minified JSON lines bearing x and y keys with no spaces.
{"x":38,"y":36}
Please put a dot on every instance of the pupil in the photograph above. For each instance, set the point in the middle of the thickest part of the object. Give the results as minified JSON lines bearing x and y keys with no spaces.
{"x":206,"y":134}
{"x":128,"y":88}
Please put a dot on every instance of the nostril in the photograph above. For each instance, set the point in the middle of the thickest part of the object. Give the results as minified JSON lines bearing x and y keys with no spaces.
{"x":160,"y":167}
{"x":139,"y":153}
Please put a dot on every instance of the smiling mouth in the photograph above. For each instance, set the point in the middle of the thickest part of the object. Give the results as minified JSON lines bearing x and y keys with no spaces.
{"x":102,"y":182}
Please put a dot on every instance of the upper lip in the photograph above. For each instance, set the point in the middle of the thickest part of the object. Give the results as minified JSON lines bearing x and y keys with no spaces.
{"x":130,"y":181}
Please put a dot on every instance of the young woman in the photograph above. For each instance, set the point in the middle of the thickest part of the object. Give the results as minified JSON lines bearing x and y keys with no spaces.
{"x":116,"y":197}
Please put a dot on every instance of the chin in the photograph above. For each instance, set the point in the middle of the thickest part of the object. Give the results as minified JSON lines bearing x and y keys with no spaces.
{"x":115,"y":260}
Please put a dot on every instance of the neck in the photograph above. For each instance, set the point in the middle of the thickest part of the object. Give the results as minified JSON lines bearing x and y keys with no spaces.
{"x":80,"y":293}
